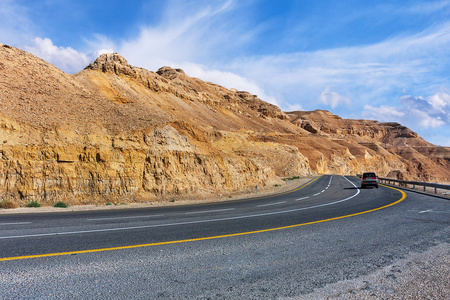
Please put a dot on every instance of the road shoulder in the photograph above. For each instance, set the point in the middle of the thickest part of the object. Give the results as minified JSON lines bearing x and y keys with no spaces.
{"x":288,"y":185}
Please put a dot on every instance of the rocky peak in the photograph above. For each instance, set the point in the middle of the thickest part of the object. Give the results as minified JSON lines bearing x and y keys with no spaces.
{"x":4,"y":45}
{"x":111,"y":63}
{"x":112,"y":57}
{"x":169,"y":72}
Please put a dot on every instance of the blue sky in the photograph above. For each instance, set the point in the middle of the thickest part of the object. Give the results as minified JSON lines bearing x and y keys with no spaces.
{"x":382,"y":60}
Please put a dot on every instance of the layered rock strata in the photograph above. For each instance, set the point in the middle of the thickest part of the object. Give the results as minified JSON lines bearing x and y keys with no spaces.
{"x":114,"y":131}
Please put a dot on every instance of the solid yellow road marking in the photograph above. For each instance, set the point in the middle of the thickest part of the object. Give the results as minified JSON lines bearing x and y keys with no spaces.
{"x":210,"y":237}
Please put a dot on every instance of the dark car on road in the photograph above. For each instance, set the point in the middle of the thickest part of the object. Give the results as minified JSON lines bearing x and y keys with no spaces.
{"x":369,"y":179}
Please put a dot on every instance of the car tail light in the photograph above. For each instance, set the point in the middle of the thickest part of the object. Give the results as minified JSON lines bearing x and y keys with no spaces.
{"x":375,"y":177}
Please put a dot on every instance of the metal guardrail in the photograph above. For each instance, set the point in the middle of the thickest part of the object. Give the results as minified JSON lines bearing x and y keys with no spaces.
{"x":413,"y":184}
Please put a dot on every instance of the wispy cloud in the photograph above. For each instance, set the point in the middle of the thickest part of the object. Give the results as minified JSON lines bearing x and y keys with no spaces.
{"x":427,"y":8}
{"x":360,"y":72}
{"x":188,"y":33}
{"x":382,"y":113}
{"x":425,"y":120}
{"x":333,"y":99}
{"x":98,"y":45}
{"x":15,"y":24}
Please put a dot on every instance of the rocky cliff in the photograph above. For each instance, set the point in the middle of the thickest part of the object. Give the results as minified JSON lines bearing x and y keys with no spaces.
{"x":114,"y":131}
{"x":392,"y":150}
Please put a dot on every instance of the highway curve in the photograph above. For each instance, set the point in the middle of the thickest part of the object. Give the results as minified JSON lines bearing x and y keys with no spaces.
{"x":279,"y":246}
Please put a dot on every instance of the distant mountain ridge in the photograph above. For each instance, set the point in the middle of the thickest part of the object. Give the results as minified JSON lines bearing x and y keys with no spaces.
{"x":118,"y":131}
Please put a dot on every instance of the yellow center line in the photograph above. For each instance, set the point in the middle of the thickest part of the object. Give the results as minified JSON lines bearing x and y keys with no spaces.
{"x":210,"y":237}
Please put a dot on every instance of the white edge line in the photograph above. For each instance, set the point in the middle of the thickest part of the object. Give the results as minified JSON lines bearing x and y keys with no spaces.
{"x":208,"y":211}
{"x":425,"y":211}
{"x":302,"y":198}
{"x":20,"y":223}
{"x":120,"y":218}
{"x":269,"y":204}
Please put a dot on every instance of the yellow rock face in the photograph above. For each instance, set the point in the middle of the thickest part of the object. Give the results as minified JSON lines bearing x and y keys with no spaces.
{"x":159,"y":163}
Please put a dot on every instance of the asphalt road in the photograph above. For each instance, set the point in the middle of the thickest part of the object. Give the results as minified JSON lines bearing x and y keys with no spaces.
{"x":287,"y":245}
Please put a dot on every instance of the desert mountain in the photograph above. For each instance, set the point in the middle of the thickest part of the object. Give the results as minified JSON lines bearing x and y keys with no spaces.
{"x":118,"y":131}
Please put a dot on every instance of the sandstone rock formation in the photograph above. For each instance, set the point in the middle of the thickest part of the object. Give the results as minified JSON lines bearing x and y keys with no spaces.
{"x":392,"y":150}
{"x":114,"y":131}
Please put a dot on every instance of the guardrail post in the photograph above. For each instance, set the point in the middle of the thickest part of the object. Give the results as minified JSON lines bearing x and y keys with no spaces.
{"x":414,"y":184}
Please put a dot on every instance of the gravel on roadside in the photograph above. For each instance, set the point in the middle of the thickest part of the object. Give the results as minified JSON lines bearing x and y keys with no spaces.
{"x":417,"y":276}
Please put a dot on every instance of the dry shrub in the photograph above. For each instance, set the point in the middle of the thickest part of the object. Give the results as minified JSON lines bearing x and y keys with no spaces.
{"x":6,"y":204}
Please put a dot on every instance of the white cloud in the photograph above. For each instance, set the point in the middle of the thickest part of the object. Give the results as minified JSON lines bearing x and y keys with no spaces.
{"x":65,"y":58}
{"x":333,"y":99}
{"x":383,"y":113}
{"x":101,"y":44}
{"x":432,"y":111}
{"x":104,"y":51}
{"x":441,"y":102}
{"x":417,"y":112}
{"x":425,"y":120}
{"x":294,"y":107}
